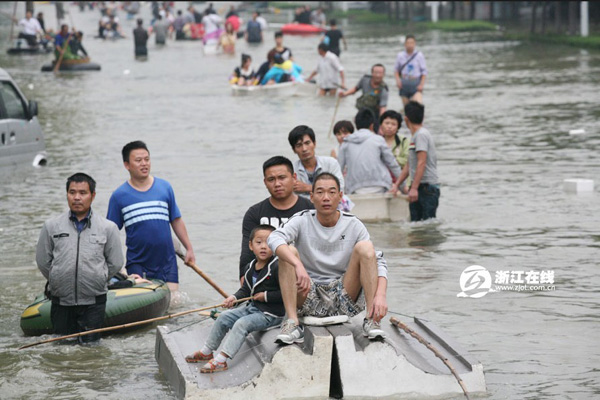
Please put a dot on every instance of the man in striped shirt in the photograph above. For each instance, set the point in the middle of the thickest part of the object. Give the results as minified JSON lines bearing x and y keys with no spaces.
{"x":145,"y":205}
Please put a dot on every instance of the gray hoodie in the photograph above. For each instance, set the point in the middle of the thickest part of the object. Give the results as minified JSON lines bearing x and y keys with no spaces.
{"x":78,"y":265}
{"x":368,"y":161}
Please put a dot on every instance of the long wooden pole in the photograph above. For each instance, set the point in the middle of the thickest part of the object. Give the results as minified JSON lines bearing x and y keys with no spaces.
{"x":198,"y":270}
{"x":435,"y":351}
{"x":12,"y":25}
{"x":146,"y":321}
{"x":337,"y":105}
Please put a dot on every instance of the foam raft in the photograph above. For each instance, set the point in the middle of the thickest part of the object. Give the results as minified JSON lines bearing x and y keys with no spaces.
{"x":334,"y":361}
{"x":278,"y":89}
{"x":137,"y":303}
{"x":380,"y":207}
{"x":72,"y":65}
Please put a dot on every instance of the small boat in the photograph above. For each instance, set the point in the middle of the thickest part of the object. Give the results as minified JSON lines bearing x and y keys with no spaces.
{"x":20,"y":46}
{"x":334,"y":361}
{"x":279,"y":89}
{"x":380,"y":207}
{"x":307,"y":89}
{"x":136,"y":303}
{"x":82,"y":64}
{"x":301,"y":29}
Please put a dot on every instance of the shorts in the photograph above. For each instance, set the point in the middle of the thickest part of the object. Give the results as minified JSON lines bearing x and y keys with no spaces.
{"x":409,"y":87}
{"x":168,"y":273}
{"x":329,"y":299}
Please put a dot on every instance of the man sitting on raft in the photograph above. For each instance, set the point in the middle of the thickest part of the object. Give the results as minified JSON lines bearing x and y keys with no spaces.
{"x":332,"y":269}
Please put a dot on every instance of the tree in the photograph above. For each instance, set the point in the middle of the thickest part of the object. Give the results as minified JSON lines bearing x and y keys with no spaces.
{"x":544,"y":7}
{"x":533,"y":15}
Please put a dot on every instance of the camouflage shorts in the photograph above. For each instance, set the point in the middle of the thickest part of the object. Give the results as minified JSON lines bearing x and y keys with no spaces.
{"x":326,"y":300}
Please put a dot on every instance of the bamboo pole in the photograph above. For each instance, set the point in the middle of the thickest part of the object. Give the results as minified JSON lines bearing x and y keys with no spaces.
{"x":435,"y":351}
{"x":198,"y":270}
{"x":137,"y":323}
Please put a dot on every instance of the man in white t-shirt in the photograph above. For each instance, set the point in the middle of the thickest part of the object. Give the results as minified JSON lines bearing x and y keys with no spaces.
{"x":330,"y":70}
{"x":30,"y":27}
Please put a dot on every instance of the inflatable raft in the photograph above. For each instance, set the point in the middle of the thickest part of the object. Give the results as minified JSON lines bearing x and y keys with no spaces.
{"x":72,"y":65}
{"x":20,"y":46}
{"x":301,"y":29}
{"x":137,"y":303}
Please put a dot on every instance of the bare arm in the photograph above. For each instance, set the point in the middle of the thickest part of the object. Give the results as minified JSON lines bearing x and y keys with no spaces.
{"x":398,"y":79}
{"x":380,"y":306}
{"x":349,"y":92}
{"x":287,"y":255}
{"x":413,"y":194}
{"x":401,"y":178}
{"x":181,"y":232}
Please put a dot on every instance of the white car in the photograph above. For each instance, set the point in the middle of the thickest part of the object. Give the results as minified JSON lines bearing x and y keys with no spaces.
{"x":21,"y":138}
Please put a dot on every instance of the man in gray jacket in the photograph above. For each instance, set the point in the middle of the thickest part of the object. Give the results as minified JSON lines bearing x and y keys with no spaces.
{"x":367,"y":158}
{"x":78,"y":252}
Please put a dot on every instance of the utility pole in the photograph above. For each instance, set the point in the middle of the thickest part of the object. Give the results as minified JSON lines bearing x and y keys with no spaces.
{"x":585,"y":23}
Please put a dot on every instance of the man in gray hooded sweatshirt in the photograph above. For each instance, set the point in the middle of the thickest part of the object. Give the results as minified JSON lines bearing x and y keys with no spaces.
{"x":367,"y":158}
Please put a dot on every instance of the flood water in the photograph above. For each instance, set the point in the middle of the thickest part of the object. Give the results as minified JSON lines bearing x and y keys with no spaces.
{"x":500,"y":112}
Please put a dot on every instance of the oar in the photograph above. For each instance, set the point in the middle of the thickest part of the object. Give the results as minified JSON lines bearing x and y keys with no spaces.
{"x":13,"y":21}
{"x":62,"y":53}
{"x":337,"y":104}
{"x":193,"y":266}
{"x":435,"y":351}
{"x":146,"y":321}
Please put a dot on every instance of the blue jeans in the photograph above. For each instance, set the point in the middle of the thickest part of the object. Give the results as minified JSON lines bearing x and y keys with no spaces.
{"x":241,"y":321}
{"x":427,"y":204}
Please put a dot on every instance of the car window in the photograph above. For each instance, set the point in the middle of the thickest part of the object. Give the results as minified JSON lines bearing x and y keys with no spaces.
{"x":13,"y":104}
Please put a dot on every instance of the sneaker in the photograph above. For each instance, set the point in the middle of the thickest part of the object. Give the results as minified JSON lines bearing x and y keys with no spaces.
{"x":213,"y":366}
{"x":372,"y":329}
{"x":198,"y":357}
{"x":290,"y":333}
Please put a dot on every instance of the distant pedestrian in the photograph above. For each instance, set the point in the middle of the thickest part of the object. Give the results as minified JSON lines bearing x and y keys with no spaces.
{"x":254,"y":33}
{"x":332,"y":38}
{"x":160,"y":30}
{"x":78,"y":252}
{"x":140,"y":39}
{"x":424,"y":192}
{"x":330,"y":71}
{"x":410,"y":72}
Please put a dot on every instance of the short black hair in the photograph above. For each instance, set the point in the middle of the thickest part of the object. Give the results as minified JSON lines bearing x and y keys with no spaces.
{"x":378,"y":65}
{"x":140,"y":22}
{"x":299,"y":132}
{"x":325,"y":175}
{"x":323,"y":46}
{"x":262,"y":227}
{"x":343,"y":125}
{"x":410,"y":37}
{"x":81,"y":177}
{"x":278,"y":34}
{"x":332,"y":21}
{"x":415,"y":112}
{"x":391,"y":114}
{"x":278,"y":160}
{"x":129,"y":147}
{"x":178,"y":12}
{"x":364,"y":118}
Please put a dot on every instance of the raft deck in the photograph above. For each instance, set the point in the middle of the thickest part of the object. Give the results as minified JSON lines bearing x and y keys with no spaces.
{"x":334,"y":361}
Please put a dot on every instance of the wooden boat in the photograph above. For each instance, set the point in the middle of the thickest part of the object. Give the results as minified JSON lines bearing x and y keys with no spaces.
{"x":279,"y":89}
{"x":137,"y":303}
{"x":334,"y":361}
{"x":380,"y":207}
{"x":301,"y":29}
{"x":82,"y":64}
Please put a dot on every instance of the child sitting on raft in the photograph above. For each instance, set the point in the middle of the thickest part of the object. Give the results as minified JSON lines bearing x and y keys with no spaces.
{"x":244,"y":75}
{"x":265,"y":310}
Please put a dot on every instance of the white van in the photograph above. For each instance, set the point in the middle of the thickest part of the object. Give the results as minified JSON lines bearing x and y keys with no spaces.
{"x":21,"y":138}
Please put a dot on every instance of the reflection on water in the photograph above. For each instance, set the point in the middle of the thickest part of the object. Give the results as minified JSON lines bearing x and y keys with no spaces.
{"x":500,"y":112}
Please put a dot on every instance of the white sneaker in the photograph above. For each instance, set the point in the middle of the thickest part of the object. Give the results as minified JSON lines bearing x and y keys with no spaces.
{"x":372,"y":329}
{"x":290,"y":333}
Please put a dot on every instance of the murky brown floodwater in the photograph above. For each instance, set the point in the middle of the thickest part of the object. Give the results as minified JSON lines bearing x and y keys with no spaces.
{"x":500,"y":113}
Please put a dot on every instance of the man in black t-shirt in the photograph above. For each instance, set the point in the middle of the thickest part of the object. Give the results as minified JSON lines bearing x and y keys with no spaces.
{"x":284,"y":52}
{"x":279,"y":178}
{"x":332,"y":38}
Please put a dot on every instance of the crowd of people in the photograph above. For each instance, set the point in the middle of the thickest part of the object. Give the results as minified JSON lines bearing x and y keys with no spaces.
{"x":302,"y":252}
